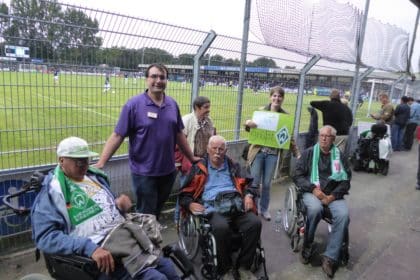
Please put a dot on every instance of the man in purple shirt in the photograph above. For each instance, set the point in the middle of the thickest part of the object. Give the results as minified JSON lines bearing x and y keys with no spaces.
{"x":153,"y":124}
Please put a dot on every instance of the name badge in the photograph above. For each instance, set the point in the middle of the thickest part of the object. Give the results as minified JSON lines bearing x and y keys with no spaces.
{"x":152,"y":115}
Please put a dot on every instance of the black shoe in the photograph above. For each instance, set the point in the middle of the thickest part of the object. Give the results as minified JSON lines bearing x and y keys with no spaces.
{"x":306,"y":254}
{"x":417,"y":187}
{"x":328,"y":266}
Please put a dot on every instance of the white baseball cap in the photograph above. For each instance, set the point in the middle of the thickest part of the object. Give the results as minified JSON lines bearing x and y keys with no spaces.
{"x":74,"y":147}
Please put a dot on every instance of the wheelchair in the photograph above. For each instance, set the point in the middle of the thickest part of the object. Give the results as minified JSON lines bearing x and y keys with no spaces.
{"x":70,"y":267}
{"x":194,"y":232}
{"x":294,"y":221}
{"x":373,"y":150}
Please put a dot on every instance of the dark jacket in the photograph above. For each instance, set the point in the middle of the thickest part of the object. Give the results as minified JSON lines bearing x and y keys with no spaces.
{"x":193,"y":186}
{"x":402,"y":114}
{"x":336,"y":114}
{"x":302,"y":176}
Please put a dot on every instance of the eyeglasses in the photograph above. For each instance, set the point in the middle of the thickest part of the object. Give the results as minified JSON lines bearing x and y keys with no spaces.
{"x":325,"y":136}
{"x":155,"y":77}
{"x":80,"y":162}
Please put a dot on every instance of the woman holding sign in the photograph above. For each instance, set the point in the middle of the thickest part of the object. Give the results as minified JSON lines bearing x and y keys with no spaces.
{"x":263,"y":160}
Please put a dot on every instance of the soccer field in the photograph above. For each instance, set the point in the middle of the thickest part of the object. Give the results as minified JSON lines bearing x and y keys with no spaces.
{"x":36,"y":113}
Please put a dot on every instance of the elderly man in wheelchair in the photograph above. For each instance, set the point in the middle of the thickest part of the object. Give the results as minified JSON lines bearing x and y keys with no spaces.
{"x":322,"y":175}
{"x":76,"y":213}
{"x":214,"y":189}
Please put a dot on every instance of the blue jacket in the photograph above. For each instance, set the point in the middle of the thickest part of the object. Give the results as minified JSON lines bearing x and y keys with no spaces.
{"x":51,"y":225}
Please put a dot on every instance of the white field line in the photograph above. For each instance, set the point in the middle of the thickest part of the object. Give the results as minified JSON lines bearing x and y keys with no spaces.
{"x":76,"y":106}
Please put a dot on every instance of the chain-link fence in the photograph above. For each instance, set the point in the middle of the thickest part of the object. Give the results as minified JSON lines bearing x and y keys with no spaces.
{"x":68,"y":70}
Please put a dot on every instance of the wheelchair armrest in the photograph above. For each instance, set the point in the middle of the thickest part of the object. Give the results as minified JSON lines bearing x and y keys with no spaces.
{"x":68,"y":267}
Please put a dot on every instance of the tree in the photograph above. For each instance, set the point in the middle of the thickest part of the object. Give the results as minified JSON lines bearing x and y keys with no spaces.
{"x":264,"y":62}
{"x":185,"y":59}
{"x":48,"y":31}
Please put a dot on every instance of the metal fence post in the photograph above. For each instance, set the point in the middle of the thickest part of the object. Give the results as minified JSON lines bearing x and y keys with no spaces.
{"x":244,"y":51}
{"x":391,"y":95}
{"x":196,"y":68}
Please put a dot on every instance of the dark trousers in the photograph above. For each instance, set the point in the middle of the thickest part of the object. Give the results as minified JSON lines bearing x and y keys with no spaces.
{"x":418,"y":167}
{"x":409,"y":135}
{"x":164,"y":270}
{"x":248,"y":225}
{"x":152,"y":192}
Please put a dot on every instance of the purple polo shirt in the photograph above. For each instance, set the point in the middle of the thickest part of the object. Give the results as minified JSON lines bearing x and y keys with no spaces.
{"x":151,"y":131}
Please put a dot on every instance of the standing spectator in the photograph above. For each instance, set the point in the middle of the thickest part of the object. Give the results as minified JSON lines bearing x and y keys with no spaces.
{"x":413,"y":122}
{"x":152,"y":122}
{"x":262,"y":159}
{"x":386,"y":114}
{"x":401,"y":116}
{"x":198,"y":130}
{"x":337,"y":115}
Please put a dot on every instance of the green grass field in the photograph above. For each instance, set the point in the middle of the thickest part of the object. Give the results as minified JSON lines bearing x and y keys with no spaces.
{"x":36,"y":114}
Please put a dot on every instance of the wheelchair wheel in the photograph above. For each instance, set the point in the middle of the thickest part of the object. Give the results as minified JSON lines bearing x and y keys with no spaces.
{"x":209,"y":258}
{"x":188,"y":236}
{"x":296,"y":242}
{"x":289,"y":212}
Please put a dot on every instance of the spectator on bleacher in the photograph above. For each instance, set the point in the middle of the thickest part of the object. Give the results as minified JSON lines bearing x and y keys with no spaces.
{"x":76,"y":213}
{"x":413,"y":122}
{"x":337,"y":115}
{"x":153,"y":124}
{"x":386,"y":114}
{"x":263,"y":160}
{"x":401,"y":116}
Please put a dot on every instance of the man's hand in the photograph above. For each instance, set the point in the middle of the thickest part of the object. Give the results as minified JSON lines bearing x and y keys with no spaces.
{"x":123,"y":202}
{"x":318,"y":193}
{"x":104,"y":260}
{"x":327,"y":199}
{"x":195,"y":159}
{"x":196,"y":208}
{"x":248,"y":203}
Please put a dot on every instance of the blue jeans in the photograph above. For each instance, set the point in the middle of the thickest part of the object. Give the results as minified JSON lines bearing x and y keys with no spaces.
{"x":165,"y":270}
{"x":152,"y":192}
{"x":340,"y":223}
{"x":262,"y":170}
{"x":397,"y":134}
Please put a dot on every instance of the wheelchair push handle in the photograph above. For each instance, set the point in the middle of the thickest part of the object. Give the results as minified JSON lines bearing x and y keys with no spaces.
{"x":34,"y":184}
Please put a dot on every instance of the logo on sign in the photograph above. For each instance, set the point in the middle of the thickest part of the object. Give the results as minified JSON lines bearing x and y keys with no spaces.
{"x":282,"y":136}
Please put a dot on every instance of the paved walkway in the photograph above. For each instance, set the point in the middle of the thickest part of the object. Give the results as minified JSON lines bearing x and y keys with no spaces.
{"x":384,"y":231}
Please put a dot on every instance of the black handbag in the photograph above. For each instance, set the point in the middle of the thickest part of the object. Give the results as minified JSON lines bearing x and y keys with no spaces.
{"x":229,"y":203}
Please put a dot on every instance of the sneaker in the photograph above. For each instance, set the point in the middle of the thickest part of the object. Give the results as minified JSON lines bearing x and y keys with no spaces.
{"x":328,"y":266}
{"x":306,"y":254}
{"x":266,"y":215}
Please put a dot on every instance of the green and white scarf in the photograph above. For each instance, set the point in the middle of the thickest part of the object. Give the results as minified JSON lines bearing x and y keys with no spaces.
{"x":80,"y":207}
{"x":337,"y":170}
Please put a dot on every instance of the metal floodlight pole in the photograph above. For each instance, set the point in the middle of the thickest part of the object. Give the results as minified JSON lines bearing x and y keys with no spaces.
{"x":413,"y":41}
{"x":357,"y":87}
{"x":244,"y":50}
{"x":299,"y":102}
{"x":359,"y":49}
{"x":196,"y":69}
{"x":394,"y":84}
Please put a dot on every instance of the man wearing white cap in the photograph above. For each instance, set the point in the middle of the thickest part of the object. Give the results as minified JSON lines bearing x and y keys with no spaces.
{"x":75,"y":210}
